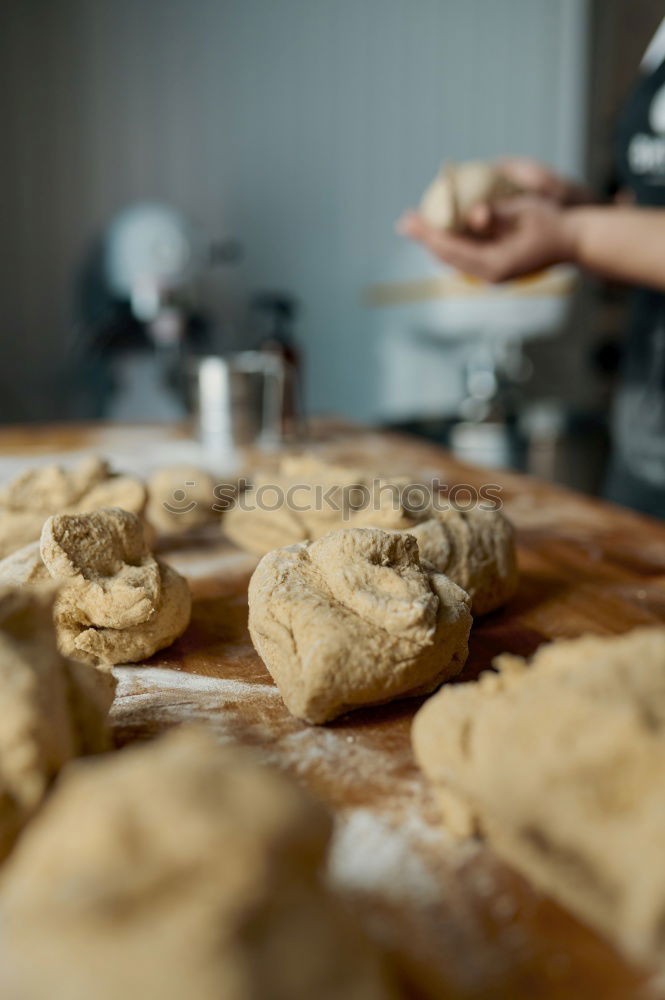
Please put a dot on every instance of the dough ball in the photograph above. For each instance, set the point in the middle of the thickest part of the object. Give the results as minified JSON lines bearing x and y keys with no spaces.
{"x":23,"y":567}
{"x":457,"y":188}
{"x":474,"y":548}
{"x":305,"y":498}
{"x":53,"y":487}
{"x":178,"y":869}
{"x":561,"y":763}
{"x":309,"y":497}
{"x":116,"y":603}
{"x":18,"y":529}
{"x":116,"y":491}
{"x":355,"y":619}
{"x":44,"y":490}
{"x":181,"y":498}
{"x":259,"y":530}
{"x":50,"y":710}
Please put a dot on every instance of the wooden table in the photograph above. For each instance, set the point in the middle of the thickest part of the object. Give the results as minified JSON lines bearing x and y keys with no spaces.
{"x":456,"y":922}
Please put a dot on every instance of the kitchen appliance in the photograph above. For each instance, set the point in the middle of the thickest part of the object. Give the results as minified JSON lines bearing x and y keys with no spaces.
{"x":238,"y":402}
{"x":137,"y":317}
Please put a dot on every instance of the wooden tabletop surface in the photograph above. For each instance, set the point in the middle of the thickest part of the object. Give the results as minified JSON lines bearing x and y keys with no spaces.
{"x":456,"y":922}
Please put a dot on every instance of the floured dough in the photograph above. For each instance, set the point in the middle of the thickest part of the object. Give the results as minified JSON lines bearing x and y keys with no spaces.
{"x":354,"y":619}
{"x":50,"y":709}
{"x":474,"y":548}
{"x":308,"y":497}
{"x":23,"y":567}
{"x":116,"y":602}
{"x":182,"y":497}
{"x":178,"y":869}
{"x":458,"y":187}
{"x":561,"y":763}
{"x":44,"y":490}
{"x":49,"y":487}
{"x":305,"y":498}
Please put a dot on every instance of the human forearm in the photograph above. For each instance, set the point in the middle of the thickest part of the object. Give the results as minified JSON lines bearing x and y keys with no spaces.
{"x":627,"y":244}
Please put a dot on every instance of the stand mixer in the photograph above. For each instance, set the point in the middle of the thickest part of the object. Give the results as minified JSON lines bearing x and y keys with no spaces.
{"x":137,"y":317}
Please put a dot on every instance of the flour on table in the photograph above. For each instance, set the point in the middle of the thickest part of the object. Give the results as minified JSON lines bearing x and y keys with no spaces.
{"x":154,"y":683}
{"x":371,"y":854}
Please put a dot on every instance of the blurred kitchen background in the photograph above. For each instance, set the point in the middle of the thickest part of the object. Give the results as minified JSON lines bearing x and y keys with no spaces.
{"x":200,"y":176}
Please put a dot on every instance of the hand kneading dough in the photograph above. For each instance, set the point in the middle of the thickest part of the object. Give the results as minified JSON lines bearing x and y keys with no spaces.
{"x":354,"y":619}
{"x":457,"y":188}
{"x":561,"y":763}
{"x":50,"y":710}
{"x":116,"y":602}
{"x":474,"y":548}
{"x":39,"y":492}
{"x":178,"y":869}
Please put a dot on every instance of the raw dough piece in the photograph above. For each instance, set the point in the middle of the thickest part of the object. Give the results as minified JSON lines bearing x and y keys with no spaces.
{"x":178,"y":487}
{"x":50,"y":709}
{"x":305,"y":498}
{"x":178,"y":869}
{"x":39,"y":492}
{"x":257,"y":530}
{"x":116,"y":603}
{"x":354,"y":619}
{"x":457,"y":188}
{"x":476,"y":549}
{"x":393,"y":504}
{"x":53,"y":487}
{"x":317,"y":497}
{"x":561,"y":763}
{"x":24,"y":566}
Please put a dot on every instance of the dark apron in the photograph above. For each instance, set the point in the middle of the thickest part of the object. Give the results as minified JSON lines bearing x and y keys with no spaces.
{"x":637,"y":478}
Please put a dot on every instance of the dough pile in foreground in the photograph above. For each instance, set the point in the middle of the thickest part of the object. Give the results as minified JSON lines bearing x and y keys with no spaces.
{"x":561,"y":764}
{"x":178,"y":869}
{"x":51,"y":709}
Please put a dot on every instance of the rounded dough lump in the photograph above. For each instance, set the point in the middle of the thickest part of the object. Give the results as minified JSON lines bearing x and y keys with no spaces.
{"x":355,"y":619}
{"x":116,"y":603}
{"x":316,"y":497}
{"x":44,"y":490}
{"x":474,"y":548}
{"x":197,"y":486}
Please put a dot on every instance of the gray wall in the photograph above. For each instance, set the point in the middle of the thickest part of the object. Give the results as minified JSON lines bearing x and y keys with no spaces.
{"x":303,"y":127}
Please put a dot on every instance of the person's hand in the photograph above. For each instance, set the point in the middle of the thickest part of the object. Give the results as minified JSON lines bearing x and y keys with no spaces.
{"x":535,"y":177}
{"x":520,"y":236}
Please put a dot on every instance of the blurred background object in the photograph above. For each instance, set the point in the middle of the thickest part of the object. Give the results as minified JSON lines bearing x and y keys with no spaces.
{"x":240,"y":401}
{"x":135,"y":324}
{"x":165,"y":162}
